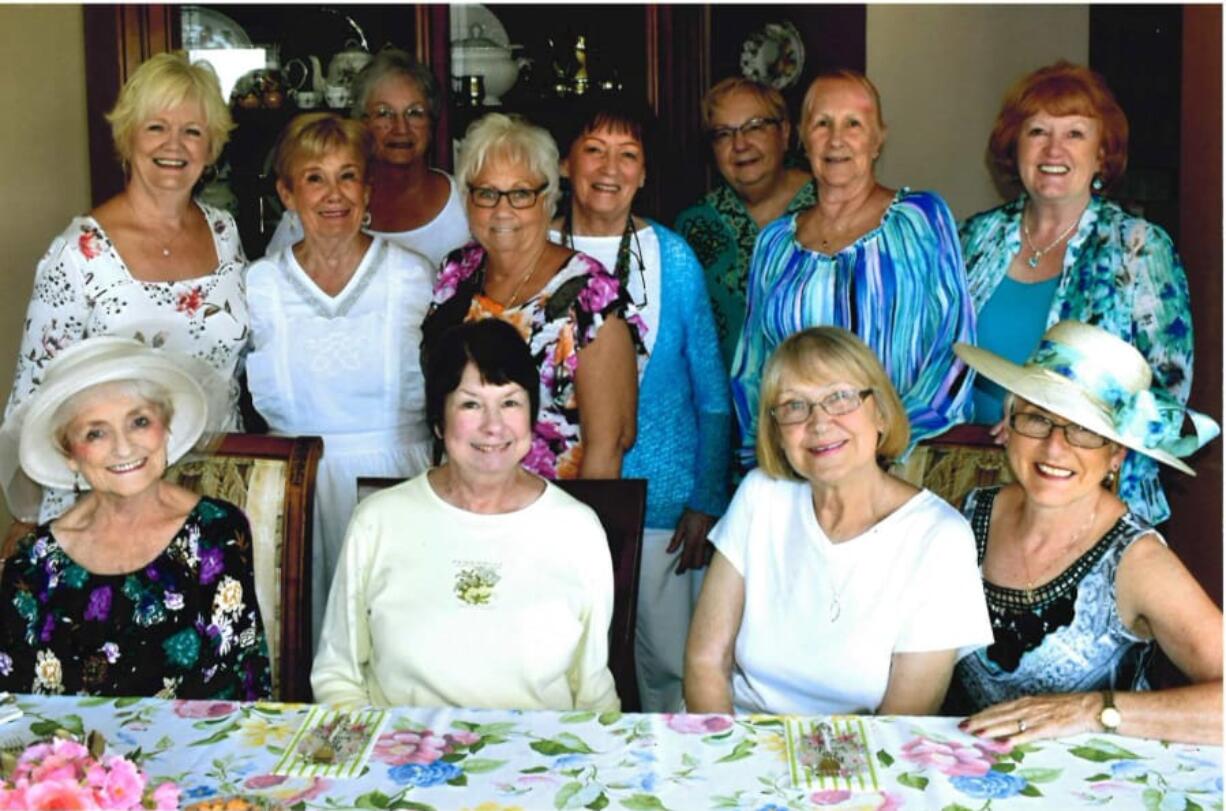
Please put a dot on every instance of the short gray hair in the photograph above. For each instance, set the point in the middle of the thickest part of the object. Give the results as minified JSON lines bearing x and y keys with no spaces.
{"x":152,"y":393}
{"x":393,"y":62}
{"x":512,"y":138}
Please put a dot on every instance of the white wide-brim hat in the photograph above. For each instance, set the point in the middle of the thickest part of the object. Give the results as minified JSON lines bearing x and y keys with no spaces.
{"x":1089,"y":376}
{"x":29,"y":432}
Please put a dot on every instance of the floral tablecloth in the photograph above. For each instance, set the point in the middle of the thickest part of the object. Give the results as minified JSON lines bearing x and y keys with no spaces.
{"x":479,"y":760}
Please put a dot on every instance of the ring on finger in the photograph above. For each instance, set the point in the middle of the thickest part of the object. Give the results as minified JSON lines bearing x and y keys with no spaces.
{"x":1021,"y":725}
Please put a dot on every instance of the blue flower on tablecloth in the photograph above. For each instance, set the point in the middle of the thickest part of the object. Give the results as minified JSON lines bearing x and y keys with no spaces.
{"x":646,"y":782}
{"x":993,"y":785}
{"x":198,"y":792}
{"x":1128,"y":768}
{"x":567,"y":761}
{"x":424,"y":775}
{"x":643,"y":755}
{"x":1173,"y":801}
{"x":772,"y":807}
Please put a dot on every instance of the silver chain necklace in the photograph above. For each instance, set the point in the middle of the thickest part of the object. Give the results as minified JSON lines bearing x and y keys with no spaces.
{"x":1036,"y":254}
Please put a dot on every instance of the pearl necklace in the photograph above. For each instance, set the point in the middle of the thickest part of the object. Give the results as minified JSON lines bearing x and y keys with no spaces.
{"x":1036,"y":254}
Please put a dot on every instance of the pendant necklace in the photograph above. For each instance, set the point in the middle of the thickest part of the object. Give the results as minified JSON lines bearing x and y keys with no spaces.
{"x":1073,"y":541}
{"x":515,"y":293}
{"x":1036,"y":254}
{"x":836,"y":593}
{"x":165,"y":247}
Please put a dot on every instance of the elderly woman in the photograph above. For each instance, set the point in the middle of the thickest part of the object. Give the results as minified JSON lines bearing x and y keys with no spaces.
{"x":335,"y":330}
{"x":684,"y":417}
{"x":586,"y":336}
{"x":1078,"y":587}
{"x":835,"y":587}
{"x":497,"y":557}
{"x":884,"y":264}
{"x":1062,"y":251}
{"x":411,"y":204}
{"x":142,"y":588}
{"x":748,"y":126}
{"x":150,"y":262}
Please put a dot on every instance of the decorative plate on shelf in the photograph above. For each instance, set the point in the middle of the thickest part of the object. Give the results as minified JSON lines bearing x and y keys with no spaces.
{"x":773,"y":55}
{"x":204,"y":28}
{"x":465,"y":16}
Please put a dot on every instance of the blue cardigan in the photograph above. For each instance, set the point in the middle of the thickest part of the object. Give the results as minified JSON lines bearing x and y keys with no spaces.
{"x":684,"y":413}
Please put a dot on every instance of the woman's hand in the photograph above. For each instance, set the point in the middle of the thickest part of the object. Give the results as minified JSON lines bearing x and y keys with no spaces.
{"x":1000,"y":431}
{"x":1035,"y":717}
{"x":691,"y":538}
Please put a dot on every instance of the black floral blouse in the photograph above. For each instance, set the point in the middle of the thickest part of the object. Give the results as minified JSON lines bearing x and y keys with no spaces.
{"x":186,"y":625}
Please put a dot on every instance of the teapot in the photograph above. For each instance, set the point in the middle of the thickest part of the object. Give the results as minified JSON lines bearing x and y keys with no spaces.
{"x":346,"y":64}
{"x":478,"y":55}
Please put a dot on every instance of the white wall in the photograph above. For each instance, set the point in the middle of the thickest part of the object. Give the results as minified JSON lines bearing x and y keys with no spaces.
{"x":942,"y":70}
{"x":44,"y":155}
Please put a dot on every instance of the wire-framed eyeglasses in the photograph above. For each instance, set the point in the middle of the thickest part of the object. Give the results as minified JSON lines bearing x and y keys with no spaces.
{"x":836,"y":404}
{"x":754,"y":126}
{"x":488,"y":196}
{"x":385,"y":117}
{"x":1036,"y":426}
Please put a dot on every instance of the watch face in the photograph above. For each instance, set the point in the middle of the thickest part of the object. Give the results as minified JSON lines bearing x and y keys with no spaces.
{"x":1109,"y":717}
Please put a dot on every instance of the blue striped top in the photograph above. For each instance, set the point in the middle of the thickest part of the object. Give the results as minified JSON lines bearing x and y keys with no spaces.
{"x":901,"y":288}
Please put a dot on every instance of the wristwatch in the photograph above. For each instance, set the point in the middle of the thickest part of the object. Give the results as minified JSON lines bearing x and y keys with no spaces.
{"x":1109,"y":717}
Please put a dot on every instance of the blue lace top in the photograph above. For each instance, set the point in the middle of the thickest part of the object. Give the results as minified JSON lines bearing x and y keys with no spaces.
{"x":1065,"y":637}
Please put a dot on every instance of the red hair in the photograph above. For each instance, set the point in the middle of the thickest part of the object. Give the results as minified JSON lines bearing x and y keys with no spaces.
{"x":1060,"y":89}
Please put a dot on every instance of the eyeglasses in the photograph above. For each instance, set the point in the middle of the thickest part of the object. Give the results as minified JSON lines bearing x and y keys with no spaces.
{"x":836,"y":404}
{"x":385,"y":117}
{"x":1036,"y":426}
{"x":754,"y":126}
{"x":488,"y":196}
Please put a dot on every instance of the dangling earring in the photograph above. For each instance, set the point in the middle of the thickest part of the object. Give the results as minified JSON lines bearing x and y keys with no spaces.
{"x":1109,"y":482}
{"x":1097,"y":183}
{"x":367,"y":220}
{"x":76,"y":484}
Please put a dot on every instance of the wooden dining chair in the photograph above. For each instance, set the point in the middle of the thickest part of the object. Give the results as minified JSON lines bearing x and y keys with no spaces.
{"x":956,"y":462}
{"x":621,"y":506}
{"x":272,"y":479}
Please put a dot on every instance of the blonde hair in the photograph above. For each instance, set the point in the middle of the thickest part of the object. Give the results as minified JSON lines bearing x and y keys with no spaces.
{"x":827,"y":352}
{"x":767,"y":95}
{"x":312,"y":135}
{"x":515,"y":139}
{"x":160,"y":83}
{"x":846,"y":75}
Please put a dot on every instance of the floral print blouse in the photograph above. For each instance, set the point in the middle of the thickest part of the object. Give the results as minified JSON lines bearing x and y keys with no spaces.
{"x":557,"y":323}
{"x":186,"y":625}
{"x":1121,"y":273}
{"x":83,"y":288}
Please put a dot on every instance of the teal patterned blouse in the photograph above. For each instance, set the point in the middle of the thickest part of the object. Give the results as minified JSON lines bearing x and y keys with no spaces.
{"x":1121,"y":273}
{"x":722,"y":234}
{"x":900,"y":287}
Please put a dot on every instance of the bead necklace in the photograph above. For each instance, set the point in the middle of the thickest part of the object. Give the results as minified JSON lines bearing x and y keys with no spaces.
{"x":1036,"y":254}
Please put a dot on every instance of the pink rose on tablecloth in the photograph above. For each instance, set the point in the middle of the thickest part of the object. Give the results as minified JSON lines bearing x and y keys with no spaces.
{"x":404,"y":746}
{"x":890,"y":801}
{"x":166,"y":797}
{"x":318,"y":786}
{"x":122,"y":786}
{"x":950,"y":758}
{"x":830,"y":796}
{"x":697,"y":724}
{"x":461,"y":738}
{"x":203,"y":709}
{"x":261,"y":781}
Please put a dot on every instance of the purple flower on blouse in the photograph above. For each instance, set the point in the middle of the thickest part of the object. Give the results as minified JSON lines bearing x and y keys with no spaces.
{"x":601,"y":291}
{"x":6,"y":664}
{"x":48,"y":627}
{"x":211,"y":566}
{"x":99,"y":607}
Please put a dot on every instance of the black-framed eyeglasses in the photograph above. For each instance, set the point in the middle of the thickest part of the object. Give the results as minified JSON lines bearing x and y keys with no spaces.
{"x":836,"y":404}
{"x":385,"y":117}
{"x":488,"y":196}
{"x":754,"y":126}
{"x":1036,"y":426}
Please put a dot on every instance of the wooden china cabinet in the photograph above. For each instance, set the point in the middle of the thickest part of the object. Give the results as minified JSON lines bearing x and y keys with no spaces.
{"x":662,"y":56}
